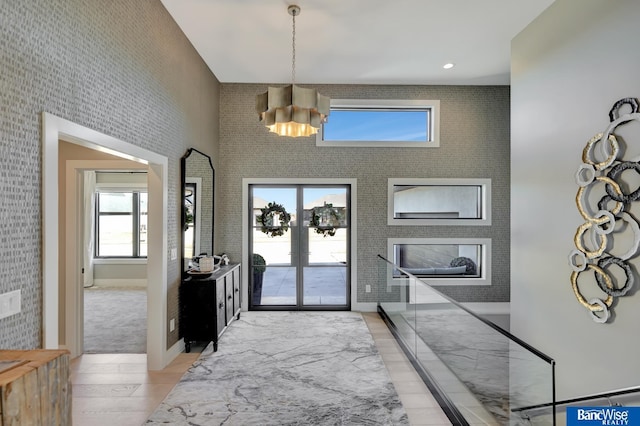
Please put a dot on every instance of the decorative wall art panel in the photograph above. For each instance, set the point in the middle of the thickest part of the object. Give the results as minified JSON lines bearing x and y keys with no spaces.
{"x":610,"y":235}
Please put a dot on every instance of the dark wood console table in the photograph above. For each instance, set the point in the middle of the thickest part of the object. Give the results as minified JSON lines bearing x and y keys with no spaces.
{"x":209,"y":305}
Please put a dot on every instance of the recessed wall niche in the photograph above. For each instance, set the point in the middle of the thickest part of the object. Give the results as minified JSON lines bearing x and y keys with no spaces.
{"x":439,"y":202}
{"x":443,"y":261}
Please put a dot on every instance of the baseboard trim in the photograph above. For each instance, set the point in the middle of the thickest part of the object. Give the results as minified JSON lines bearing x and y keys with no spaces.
{"x":364,"y":307}
{"x":171,"y":353}
{"x":113,"y":282}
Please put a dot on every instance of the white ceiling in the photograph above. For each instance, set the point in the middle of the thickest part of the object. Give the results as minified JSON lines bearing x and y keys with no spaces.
{"x":356,"y":41}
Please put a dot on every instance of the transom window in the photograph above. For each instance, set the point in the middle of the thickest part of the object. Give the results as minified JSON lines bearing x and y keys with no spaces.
{"x":381,"y":123}
{"x":121,"y":224}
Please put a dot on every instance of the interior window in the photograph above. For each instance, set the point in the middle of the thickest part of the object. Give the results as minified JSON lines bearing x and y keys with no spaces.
{"x":427,"y":201}
{"x":440,"y":260}
{"x":443,"y":261}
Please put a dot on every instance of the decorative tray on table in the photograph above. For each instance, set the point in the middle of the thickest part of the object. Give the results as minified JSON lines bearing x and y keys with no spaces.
{"x":197,"y":274}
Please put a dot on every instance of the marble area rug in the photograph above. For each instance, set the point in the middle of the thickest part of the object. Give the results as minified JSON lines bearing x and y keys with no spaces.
{"x":287,"y":368}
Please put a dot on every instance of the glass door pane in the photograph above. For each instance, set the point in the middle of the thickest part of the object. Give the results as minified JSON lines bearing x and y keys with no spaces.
{"x":325,"y":246}
{"x":274,"y":269}
{"x":299,"y":243}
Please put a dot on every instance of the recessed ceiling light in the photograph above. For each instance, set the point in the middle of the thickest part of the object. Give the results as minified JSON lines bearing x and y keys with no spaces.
{"x":448,"y":66}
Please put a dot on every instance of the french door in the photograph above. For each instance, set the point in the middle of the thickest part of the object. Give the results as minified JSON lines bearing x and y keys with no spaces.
{"x":299,"y":245}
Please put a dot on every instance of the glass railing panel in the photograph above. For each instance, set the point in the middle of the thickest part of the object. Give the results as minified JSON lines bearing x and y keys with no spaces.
{"x":531,"y":382}
{"x":394,"y":296}
{"x":483,"y":370}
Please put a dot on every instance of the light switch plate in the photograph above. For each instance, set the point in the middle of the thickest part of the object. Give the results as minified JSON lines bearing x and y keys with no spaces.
{"x":10,"y":303}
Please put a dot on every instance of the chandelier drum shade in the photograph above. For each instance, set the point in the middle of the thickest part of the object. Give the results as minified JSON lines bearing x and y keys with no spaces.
{"x":292,"y":110}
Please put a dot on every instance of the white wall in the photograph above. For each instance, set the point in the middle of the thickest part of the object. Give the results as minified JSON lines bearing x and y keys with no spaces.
{"x":568,"y":68}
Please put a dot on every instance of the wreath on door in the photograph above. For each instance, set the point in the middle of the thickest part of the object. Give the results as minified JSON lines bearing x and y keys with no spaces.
{"x":326,"y":219}
{"x":274,"y":220}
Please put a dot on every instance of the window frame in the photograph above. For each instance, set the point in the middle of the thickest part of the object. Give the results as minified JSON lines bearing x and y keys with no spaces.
{"x":433,"y":130}
{"x":485,"y":259}
{"x":196,"y":183}
{"x":485,"y":197}
{"x":136,"y":219}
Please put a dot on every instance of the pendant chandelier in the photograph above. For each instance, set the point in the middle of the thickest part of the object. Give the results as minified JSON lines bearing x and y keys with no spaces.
{"x":292,"y":110}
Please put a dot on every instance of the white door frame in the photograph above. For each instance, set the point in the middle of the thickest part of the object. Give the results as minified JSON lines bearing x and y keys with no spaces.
{"x":353,"y":261}
{"x":55,"y":129}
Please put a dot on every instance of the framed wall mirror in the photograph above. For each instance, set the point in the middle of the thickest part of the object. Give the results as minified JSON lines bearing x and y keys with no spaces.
{"x":198,"y":182}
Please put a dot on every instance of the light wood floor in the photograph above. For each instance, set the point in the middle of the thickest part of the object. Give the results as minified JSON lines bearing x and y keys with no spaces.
{"x":117,"y":389}
{"x":418,"y":402}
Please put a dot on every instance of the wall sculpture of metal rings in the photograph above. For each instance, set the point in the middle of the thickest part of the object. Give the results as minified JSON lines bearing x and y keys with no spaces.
{"x":601,"y":165}
{"x":595,"y":307}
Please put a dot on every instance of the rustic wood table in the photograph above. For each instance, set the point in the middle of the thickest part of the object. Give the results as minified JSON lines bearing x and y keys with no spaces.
{"x":35,"y":387}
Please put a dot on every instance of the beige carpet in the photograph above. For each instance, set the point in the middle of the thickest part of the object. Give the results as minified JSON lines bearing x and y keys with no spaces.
{"x":115,"y":320}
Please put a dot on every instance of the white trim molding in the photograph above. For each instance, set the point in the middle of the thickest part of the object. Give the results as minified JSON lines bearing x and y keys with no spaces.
{"x":55,"y":129}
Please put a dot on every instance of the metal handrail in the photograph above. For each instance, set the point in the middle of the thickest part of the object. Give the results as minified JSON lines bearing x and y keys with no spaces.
{"x":608,"y":394}
{"x":499,"y":329}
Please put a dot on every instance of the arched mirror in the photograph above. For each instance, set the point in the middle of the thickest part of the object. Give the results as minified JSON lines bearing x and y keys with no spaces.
{"x":198,"y":177}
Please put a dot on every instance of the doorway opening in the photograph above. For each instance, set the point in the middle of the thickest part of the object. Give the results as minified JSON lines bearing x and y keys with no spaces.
{"x":60,"y":295}
{"x":113,"y":229}
{"x":299,"y":245}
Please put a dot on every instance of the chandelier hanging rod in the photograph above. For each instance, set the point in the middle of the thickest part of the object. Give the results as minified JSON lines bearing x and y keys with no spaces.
{"x":293,"y":110}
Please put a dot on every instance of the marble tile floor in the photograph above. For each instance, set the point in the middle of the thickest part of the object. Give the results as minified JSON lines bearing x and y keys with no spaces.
{"x":117,"y":389}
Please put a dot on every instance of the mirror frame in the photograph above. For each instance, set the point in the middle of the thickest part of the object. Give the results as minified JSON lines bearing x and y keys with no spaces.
{"x":183,"y":178}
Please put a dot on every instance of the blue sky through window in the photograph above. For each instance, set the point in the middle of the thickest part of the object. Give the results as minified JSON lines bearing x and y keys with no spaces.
{"x":287,"y":196}
{"x":284,"y":196}
{"x":377,"y":125}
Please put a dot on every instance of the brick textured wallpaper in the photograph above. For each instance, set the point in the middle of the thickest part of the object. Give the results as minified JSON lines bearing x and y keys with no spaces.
{"x":474,"y":143}
{"x":120,"y":67}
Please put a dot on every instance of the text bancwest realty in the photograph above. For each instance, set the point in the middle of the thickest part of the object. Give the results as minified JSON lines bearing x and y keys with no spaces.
{"x":603,"y":416}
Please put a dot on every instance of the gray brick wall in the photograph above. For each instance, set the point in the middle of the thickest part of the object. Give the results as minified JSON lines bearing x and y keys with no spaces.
{"x":474,"y":143}
{"x":120,"y":67}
